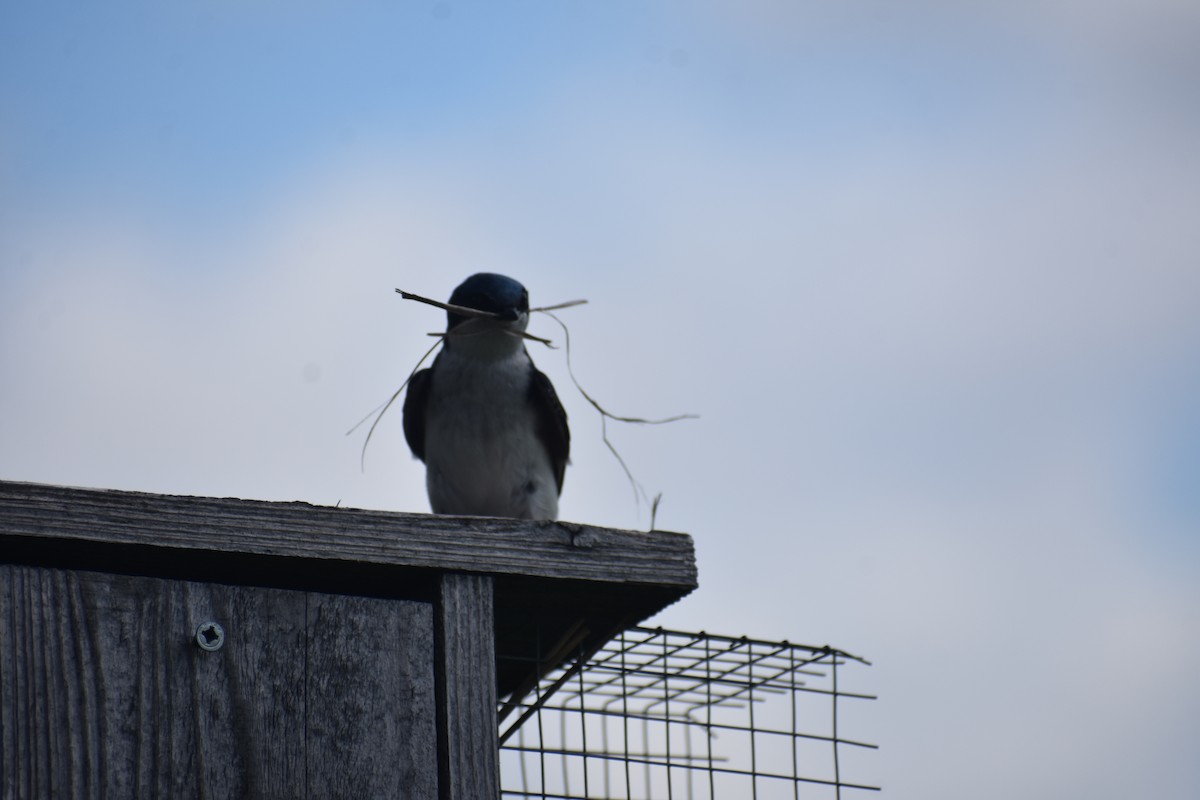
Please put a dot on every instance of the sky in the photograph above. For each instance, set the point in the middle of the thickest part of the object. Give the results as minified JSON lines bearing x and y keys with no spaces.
{"x":928,"y":272}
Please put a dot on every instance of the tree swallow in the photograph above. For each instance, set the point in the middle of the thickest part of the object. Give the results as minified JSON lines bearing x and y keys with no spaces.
{"x":485,"y":421}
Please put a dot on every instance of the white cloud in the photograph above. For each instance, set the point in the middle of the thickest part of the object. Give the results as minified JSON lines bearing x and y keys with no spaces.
{"x":927,"y":376}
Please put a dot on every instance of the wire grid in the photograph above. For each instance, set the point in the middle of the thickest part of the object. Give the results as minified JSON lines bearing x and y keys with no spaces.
{"x":656,"y":713}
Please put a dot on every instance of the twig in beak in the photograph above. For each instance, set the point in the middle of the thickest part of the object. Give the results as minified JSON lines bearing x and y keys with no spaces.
{"x":460,"y":330}
{"x":461,"y":310}
{"x":474,"y":312}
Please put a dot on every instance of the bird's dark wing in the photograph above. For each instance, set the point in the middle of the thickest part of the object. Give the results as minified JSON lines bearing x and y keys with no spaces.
{"x":552,"y":430}
{"x":415,"y":404}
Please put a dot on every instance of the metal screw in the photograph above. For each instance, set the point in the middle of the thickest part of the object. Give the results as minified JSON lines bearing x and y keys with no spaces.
{"x":210,"y":636}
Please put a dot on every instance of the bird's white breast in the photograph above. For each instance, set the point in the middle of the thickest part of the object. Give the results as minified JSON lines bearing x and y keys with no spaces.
{"x":482,"y":453}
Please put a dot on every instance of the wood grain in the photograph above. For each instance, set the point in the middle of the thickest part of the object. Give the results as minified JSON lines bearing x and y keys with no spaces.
{"x":371,"y":718}
{"x":103,"y":691}
{"x":468,"y":741}
{"x":191,"y":525}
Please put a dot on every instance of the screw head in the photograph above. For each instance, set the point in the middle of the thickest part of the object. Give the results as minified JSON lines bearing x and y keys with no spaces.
{"x":210,"y":636}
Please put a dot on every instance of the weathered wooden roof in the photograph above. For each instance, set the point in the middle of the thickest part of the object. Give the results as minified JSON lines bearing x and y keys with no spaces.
{"x":560,"y":586}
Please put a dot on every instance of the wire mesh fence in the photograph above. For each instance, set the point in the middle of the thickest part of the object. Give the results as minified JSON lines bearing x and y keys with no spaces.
{"x":667,"y":714}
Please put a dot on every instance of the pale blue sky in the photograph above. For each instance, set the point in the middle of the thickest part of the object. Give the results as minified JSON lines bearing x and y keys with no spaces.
{"x":928,"y":271}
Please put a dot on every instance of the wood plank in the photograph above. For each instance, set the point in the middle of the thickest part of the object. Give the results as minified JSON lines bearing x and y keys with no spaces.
{"x":371,"y":723}
{"x":468,"y":744}
{"x":38,"y":513}
{"x":103,"y":691}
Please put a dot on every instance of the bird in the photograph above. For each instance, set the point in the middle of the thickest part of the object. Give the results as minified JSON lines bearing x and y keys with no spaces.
{"x":485,"y":421}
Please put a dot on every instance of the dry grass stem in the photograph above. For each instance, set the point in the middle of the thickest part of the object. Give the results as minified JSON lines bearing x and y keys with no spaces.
{"x":557,"y":306}
{"x":362,"y":459}
{"x":509,"y":331}
{"x":639,"y":493}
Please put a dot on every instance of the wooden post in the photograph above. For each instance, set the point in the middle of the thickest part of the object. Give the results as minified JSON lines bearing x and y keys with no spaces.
{"x":358,"y":656}
{"x":468,"y":746}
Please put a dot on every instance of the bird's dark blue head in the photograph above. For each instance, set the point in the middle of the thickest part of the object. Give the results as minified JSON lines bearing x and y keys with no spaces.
{"x":487,"y":291}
